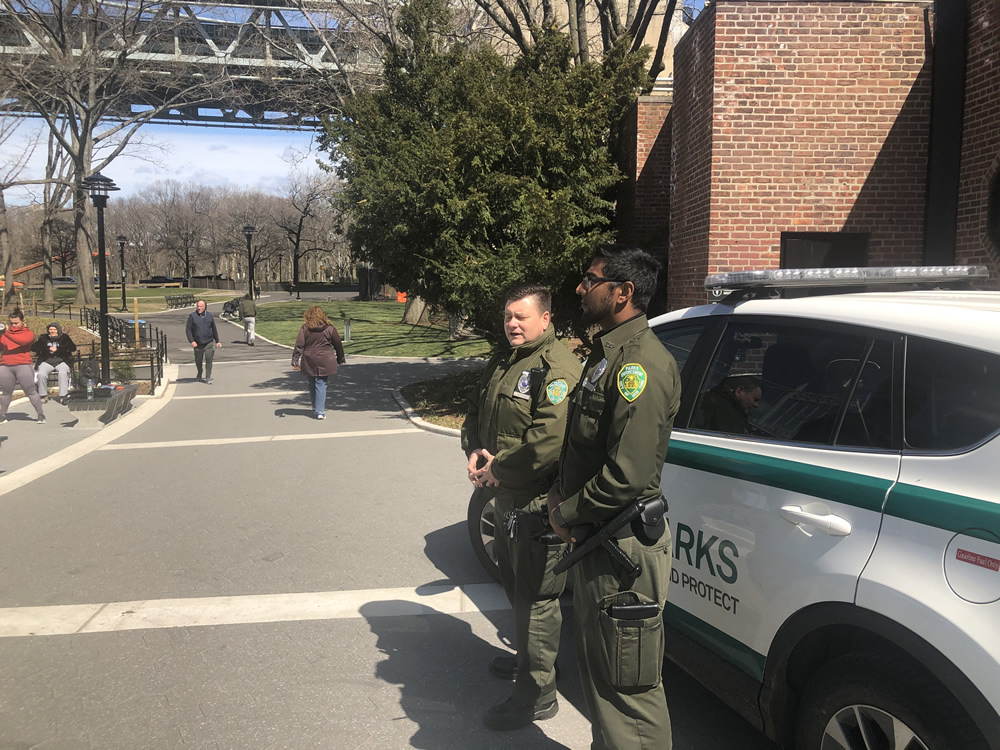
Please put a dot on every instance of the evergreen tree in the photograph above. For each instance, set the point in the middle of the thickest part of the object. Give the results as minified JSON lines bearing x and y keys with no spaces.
{"x":464,"y":175}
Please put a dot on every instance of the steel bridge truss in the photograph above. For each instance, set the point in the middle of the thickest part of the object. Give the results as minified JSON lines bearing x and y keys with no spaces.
{"x":284,"y":59}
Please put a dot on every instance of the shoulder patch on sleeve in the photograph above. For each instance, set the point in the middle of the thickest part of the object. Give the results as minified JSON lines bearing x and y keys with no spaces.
{"x":631,"y":381}
{"x":556,"y":391}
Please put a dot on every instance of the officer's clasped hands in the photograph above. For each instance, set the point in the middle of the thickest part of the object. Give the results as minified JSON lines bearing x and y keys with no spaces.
{"x":480,"y":469}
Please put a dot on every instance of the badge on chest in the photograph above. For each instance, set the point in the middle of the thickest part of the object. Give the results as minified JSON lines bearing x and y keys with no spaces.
{"x":523,"y":387}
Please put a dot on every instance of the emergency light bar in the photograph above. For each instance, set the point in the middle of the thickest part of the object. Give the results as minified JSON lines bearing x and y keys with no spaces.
{"x":804,"y":277}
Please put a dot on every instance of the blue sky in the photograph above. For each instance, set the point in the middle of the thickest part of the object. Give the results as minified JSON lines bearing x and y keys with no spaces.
{"x":212,"y":156}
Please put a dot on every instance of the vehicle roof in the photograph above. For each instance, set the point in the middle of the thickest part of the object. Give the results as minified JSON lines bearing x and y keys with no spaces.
{"x":971,"y":318}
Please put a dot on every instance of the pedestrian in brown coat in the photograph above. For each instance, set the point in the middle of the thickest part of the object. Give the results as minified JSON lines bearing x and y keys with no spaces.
{"x":318,"y":351}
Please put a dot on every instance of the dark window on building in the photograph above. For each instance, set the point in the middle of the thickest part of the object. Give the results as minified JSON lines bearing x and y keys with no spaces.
{"x":993,"y":210}
{"x":952,"y":395}
{"x":823,"y":249}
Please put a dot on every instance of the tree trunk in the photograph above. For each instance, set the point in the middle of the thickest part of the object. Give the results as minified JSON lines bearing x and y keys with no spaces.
{"x":46,"y":236}
{"x":6,"y":261}
{"x":415,"y":313}
{"x":84,"y":258}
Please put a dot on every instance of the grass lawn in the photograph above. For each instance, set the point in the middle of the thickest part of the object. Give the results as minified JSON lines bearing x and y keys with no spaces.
{"x":375,"y":329}
{"x":149,"y":300}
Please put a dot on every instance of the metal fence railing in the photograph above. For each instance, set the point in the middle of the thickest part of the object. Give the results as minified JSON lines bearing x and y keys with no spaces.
{"x":143,"y":345}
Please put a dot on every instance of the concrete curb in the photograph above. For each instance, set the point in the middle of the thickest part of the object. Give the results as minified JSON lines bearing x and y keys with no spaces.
{"x":421,"y":423}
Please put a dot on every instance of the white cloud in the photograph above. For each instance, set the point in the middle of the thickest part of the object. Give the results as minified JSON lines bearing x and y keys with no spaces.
{"x":210,"y":156}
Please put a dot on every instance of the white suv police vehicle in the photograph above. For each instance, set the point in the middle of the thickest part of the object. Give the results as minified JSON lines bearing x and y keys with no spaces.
{"x":833,"y":481}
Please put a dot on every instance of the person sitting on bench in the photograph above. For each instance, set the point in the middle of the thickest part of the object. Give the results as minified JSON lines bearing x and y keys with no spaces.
{"x":53,"y":351}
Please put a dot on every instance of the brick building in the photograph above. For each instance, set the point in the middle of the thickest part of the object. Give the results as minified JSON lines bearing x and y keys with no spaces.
{"x":816,"y":133}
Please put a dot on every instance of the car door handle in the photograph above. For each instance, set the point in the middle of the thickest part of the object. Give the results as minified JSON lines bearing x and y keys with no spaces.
{"x":831,"y":524}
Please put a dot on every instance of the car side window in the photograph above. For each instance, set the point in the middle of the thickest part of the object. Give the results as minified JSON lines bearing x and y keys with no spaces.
{"x":796,"y":382}
{"x":679,"y":340}
{"x":951,"y":395}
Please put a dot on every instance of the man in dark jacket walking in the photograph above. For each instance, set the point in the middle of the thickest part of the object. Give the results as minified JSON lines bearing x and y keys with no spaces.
{"x":53,"y":351}
{"x":511,"y":436}
{"x":202,"y":334}
{"x":248,"y":311}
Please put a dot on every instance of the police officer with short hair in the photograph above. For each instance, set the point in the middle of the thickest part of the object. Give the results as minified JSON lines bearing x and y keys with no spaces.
{"x":512,"y":435}
{"x":618,"y":427}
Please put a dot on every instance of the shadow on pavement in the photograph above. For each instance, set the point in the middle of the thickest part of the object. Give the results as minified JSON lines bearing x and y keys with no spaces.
{"x":451,"y":552}
{"x":440,"y":668}
{"x":361,"y":385}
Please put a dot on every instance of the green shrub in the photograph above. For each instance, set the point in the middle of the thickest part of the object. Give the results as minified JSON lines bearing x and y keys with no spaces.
{"x":123,"y":371}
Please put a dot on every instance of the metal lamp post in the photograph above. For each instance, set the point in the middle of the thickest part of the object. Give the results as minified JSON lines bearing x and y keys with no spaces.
{"x":98,"y":186}
{"x":249,"y":231}
{"x":122,"y":239}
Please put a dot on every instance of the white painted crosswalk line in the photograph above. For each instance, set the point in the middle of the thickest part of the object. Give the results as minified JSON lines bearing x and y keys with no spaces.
{"x":230,"y":441}
{"x":19,"y":622}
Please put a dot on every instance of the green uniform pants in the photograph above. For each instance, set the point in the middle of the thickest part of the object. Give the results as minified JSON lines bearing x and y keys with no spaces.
{"x":533,"y":591}
{"x":621,"y":661}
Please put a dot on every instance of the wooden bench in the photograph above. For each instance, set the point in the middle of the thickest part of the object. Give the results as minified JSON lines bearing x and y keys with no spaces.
{"x":179,"y":300}
{"x":108,"y":404}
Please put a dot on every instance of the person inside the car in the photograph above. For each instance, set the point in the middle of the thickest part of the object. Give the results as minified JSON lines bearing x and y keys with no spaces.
{"x":726,"y":408}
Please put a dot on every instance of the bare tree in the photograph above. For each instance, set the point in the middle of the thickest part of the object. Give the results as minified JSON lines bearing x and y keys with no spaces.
{"x":180,"y":226}
{"x":135,"y":219}
{"x":249,"y":208}
{"x":20,"y":148}
{"x":56,"y":193}
{"x":306,"y":201}
{"x":82,"y":69}
{"x":593,"y":27}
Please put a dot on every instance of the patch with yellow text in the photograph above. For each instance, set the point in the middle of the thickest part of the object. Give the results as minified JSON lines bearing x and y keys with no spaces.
{"x":631,"y":381}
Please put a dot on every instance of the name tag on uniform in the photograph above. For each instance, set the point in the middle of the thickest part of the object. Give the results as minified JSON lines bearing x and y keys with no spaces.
{"x":523,"y":387}
{"x":591,"y":382}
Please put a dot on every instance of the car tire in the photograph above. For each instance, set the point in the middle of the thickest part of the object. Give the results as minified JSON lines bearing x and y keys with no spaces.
{"x":868,"y":701}
{"x":482,"y":528}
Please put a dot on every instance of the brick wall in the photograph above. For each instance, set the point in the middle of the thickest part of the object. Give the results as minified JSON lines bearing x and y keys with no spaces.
{"x":643,"y":211}
{"x":797,"y":117}
{"x":691,"y":156}
{"x":981,"y":136}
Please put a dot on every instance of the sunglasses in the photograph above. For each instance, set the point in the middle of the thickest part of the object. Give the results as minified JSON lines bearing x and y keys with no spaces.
{"x":590,"y":281}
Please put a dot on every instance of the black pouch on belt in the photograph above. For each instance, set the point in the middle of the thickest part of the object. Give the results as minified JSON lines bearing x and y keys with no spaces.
{"x":545,"y":535}
{"x":649,"y":525}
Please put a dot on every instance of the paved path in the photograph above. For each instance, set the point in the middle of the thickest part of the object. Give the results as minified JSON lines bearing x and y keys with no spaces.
{"x":217,"y":569}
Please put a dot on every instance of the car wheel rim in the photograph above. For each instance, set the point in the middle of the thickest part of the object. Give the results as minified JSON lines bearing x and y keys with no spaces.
{"x":487,"y":530}
{"x":862,"y":727}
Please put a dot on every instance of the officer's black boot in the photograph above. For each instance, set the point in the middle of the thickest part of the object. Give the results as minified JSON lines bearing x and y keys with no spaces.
{"x":508,"y":714}
{"x":504,"y":666}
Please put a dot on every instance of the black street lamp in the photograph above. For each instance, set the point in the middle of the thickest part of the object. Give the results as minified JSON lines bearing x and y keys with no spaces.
{"x":98,"y":186}
{"x":122,"y":239}
{"x":249,"y":231}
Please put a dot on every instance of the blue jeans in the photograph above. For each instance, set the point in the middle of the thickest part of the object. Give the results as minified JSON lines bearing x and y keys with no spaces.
{"x":317,"y":392}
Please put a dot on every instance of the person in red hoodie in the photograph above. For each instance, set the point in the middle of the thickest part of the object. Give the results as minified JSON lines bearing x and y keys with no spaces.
{"x":15,"y":365}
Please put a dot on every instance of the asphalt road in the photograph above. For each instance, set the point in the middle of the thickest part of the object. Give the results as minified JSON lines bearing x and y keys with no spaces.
{"x":227,"y":572}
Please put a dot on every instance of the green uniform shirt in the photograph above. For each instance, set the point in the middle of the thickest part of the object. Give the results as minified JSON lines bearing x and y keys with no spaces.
{"x":520,"y":422}
{"x":619,"y":425}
